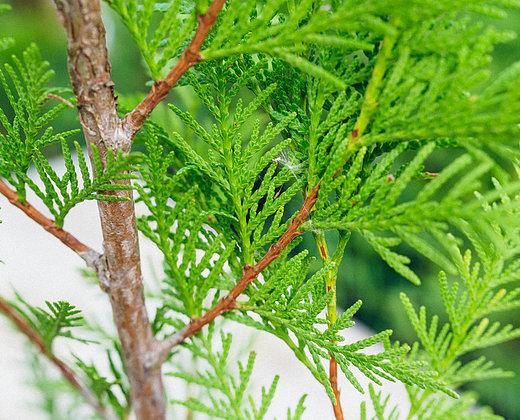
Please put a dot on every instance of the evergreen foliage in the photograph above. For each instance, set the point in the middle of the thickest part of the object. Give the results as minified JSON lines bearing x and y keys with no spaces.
{"x":228,"y":398}
{"x":480,"y":289}
{"x":29,"y":132}
{"x":57,"y":319}
{"x":355,"y":98}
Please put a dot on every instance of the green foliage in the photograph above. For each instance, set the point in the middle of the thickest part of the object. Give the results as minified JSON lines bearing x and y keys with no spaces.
{"x":50,"y":390}
{"x":357,"y":98}
{"x":29,"y":132}
{"x":381,"y":407}
{"x":179,"y":231}
{"x":388,"y":209}
{"x":62,"y":193}
{"x":480,"y":290}
{"x":250,"y":179}
{"x":290,"y":305}
{"x":228,"y":397}
{"x":468,"y":302}
{"x":57,"y":319}
{"x":25,"y":86}
{"x":160,"y":29}
{"x":113,"y":392}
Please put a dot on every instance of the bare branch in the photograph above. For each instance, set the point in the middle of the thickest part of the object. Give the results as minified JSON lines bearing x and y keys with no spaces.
{"x":68,"y":374}
{"x":135,"y":119}
{"x":250,"y":273}
{"x":92,"y":258}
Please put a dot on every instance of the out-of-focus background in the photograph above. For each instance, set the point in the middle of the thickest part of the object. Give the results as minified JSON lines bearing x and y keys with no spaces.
{"x":362,"y":275}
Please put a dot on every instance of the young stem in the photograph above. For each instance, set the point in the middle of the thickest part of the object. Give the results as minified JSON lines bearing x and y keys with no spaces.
{"x":330,"y":287}
{"x":373,"y":89}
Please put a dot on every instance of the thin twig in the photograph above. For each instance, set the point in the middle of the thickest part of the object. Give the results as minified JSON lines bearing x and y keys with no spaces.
{"x":92,"y":258}
{"x":135,"y":119}
{"x":68,"y":374}
{"x":60,"y":99}
{"x":250,"y":273}
{"x":330,"y":286}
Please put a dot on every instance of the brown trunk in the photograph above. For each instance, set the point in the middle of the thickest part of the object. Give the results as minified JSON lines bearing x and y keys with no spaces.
{"x":89,"y":70}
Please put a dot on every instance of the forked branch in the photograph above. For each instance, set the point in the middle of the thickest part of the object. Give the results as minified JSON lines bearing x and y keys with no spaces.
{"x":68,"y":374}
{"x":89,"y":70}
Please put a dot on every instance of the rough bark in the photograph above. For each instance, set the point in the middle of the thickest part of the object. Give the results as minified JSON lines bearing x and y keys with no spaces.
{"x":89,"y":71}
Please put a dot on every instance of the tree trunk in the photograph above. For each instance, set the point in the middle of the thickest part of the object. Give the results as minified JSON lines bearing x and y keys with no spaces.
{"x":89,"y":71}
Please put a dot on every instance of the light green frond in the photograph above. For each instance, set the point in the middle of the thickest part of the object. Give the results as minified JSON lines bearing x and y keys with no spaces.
{"x":224,"y":396}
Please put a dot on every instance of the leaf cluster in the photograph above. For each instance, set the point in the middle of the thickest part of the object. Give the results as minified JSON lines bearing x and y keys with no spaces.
{"x":228,"y":396}
{"x":30,"y":131}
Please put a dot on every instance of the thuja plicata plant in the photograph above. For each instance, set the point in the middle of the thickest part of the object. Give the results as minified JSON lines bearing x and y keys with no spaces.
{"x":309,"y":122}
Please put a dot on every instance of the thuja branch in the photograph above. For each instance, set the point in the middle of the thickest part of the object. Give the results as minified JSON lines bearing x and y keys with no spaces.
{"x":91,"y":257}
{"x":135,"y":119}
{"x":371,"y":95}
{"x":250,"y":273}
{"x":330,"y":286}
{"x":68,"y":374}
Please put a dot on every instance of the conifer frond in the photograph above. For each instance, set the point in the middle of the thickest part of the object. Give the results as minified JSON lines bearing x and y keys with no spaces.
{"x":290,"y":30}
{"x":57,"y":319}
{"x":225,"y":396}
{"x":467,"y":301}
{"x":432,"y":91}
{"x":25,"y":86}
{"x":250,"y":177}
{"x":290,"y":304}
{"x":381,"y":206}
{"x":194,"y":253}
{"x":110,"y":391}
{"x":298,"y":411}
{"x":61,"y":193}
{"x":160,"y":29}
{"x":380,"y":404}
{"x":345,"y":100}
{"x":29,"y":132}
{"x":466,"y":406}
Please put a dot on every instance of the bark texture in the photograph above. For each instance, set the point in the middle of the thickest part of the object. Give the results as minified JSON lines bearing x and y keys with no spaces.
{"x":89,"y":71}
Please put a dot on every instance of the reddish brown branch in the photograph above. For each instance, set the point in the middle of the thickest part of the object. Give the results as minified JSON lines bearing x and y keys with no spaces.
{"x":333,"y":375}
{"x":91,"y":257}
{"x":68,"y":374}
{"x":227,"y":303}
{"x":134,"y":120}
